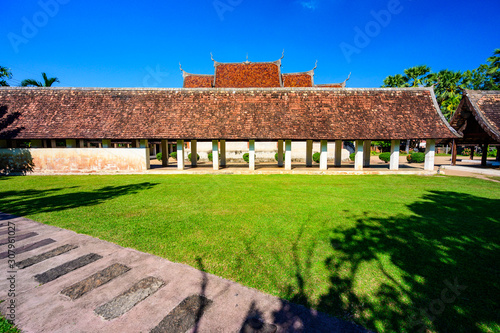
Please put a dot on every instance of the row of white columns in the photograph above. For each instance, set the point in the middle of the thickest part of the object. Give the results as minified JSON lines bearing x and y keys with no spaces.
{"x":361,"y":157}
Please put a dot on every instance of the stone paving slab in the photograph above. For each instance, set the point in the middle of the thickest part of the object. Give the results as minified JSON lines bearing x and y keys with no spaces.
{"x":126,"y":301}
{"x":66,"y":268}
{"x":18,"y":237}
{"x":42,"y":308}
{"x":184,"y":316}
{"x":27,"y":248}
{"x":44,"y":256}
{"x":92,"y":282}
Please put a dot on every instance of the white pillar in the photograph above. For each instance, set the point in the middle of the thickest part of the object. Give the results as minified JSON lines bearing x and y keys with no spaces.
{"x":280,"y":153}
{"x":358,"y":157}
{"x":53,"y":144}
{"x":180,"y":154}
{"x":215,"y":154}
{"x":394,"y":162}
{"x":430,"y":147}
{"x":154,"y":150}
{"x":164,"y":153}
{"x":309,"y":153}
{"x":222,"y":153}
{"x":323,"y":157}
{"x":194,"y":153}
{"x":338,"y":153}
{"x":81,"y":143}
{"x":288,"y":154}
{"x":106,"y":143}
{"x":251,"y":154}
{"x":366,"y":152}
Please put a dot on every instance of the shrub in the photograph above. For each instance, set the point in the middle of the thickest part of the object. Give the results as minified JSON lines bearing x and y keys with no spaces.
{"x":276,"y":157}
{"x":316,"y":157}
{"x":159,"y":156}
{"x":351,"y":156}
{"x":246,"y":157}
{"x":173,"y":155}
{"x":386,"y":157}
{"x":197,"y":157}
{"x":210,"y":156}
{"x":22,"y":163}
{"x":492,"y":153}
{"x":416,"y":158}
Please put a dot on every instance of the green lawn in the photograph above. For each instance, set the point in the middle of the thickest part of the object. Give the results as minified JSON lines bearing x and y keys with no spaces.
{"x":378,"y":250}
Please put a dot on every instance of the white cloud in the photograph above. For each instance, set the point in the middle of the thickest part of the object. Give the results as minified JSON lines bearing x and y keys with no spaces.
{"x":309,"y":4}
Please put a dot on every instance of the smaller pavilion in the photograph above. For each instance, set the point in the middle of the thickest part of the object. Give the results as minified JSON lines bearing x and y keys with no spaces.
{"x":477,"y":119}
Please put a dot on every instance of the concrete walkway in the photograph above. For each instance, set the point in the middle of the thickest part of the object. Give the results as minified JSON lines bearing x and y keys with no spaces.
{"x":67,"y":282}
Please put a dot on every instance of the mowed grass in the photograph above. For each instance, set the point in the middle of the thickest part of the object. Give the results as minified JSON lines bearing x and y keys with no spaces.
{"x":392,"y":253}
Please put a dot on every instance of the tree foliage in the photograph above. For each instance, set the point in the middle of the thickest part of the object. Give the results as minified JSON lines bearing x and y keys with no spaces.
{"x":448,"y":84}
{"x":47,"y":82}
{"x":5,"y":73}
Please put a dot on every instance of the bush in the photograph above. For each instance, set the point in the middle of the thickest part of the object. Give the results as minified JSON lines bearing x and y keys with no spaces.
{"x":492,"y":153}
{"x":173,"y":155}
{"x":386,"y":157}
{"x":210,"y":156}
{"x":21,"y":162}
{"x":416,"y":158}
{"x":351,"y":157}
{"x":246,"y":157}
{"x":316,"y":157}
{"x":159,"y":156}
{"x":197,"y":157}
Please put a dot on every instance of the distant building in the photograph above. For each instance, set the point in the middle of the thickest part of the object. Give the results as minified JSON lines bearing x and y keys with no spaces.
{"x":258,"y":75}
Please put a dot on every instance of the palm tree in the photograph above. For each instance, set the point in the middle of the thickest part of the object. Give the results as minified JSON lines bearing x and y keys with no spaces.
{"x":4,"y":73}
{"x":47,"y":82}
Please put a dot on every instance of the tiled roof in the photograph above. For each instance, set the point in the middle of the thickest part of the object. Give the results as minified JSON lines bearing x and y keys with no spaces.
{"x":231,"y":114}
{"x":247,"y":75}
{"x":298,"y":79}
{"x":478,"y":116}
{"x":198,"y":81}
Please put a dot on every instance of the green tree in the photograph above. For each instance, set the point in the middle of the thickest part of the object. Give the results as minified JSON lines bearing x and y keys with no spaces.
{"x":47,"y":82}
{"x":448,"y":84}
{"x":5,"y":73}
{"x":493,"y":72}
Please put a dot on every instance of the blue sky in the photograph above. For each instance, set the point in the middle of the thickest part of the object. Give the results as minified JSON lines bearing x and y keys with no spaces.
{"x":140,"y":43}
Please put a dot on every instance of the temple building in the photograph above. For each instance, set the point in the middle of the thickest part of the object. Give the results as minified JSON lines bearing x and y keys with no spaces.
{"x":259,"y":75}
{"x":241,"y":108}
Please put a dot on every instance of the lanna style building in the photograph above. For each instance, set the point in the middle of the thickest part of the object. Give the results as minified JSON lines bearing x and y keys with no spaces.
{"x":242,"y":107}
{"x":477,"y":120}
{"x":76,"y":116}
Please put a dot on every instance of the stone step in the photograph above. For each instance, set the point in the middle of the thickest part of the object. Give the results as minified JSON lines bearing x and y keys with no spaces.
{"x":66,"y":268}
{"x":94,"y":281}
{"x":126,"y":301}
{"x":18,"y":237}
{"x":184,"y":316}
{"x":28,"y":247}
{"x":44,"y":256}
{"x":5,"y":232}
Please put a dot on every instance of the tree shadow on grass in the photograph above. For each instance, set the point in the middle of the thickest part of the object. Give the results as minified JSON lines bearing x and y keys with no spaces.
{"x":436,"y":270}
{"x":27,"y":202}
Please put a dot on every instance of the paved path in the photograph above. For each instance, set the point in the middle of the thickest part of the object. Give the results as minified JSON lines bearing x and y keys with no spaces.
{"x":68,"y":282}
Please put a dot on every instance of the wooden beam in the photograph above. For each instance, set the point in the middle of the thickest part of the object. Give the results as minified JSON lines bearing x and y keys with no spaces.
{"x":454,"y":153}
{"x":484,"y":155}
